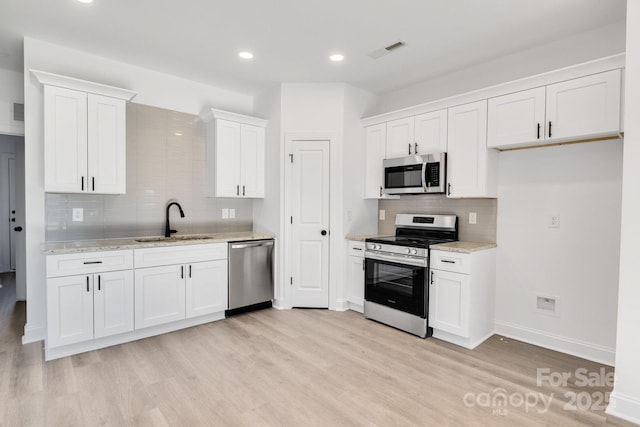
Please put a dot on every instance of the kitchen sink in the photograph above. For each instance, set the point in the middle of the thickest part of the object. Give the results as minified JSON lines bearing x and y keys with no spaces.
{"x":172,"y":238}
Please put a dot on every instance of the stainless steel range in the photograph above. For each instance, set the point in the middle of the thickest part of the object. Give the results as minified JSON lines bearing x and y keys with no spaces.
{"x":397,"y":271}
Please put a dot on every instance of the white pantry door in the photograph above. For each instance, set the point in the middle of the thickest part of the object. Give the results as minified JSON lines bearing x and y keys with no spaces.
{"x":309,"y":191}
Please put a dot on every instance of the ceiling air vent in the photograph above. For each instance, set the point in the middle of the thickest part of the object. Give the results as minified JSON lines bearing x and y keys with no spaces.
{"x":378,"y":53}
{"x":18,"y":112}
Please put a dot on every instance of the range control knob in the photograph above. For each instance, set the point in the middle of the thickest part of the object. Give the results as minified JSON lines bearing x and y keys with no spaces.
{"x":408,"y":251}
{"x":414,"y":251}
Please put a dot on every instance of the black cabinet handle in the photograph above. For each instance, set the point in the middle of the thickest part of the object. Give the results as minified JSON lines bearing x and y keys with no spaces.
{"x":538,"y":130}
{"x":549,"y":128}
{"x":237,"y":190}
{"x":415,"y":148}
{"x":93,"y":183}
{"x":432,"y":277}
{"x":92,"y":262}
{"x":449,"y":189}
{"x":448,"y":261}
{"x":409,"y":148}
{"x":381,"y":191}
{"x":243,"y":190}
{"x":363,"y":265}
{"x":87,"y":283}
{"x":182,"y":271}
{"x":82,"y":183}
{"x":98,"y":282}
{"x":189,"y":270}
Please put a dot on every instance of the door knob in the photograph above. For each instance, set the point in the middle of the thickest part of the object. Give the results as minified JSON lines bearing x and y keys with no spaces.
{"x":13,"y":220}
{"x":323,"y":232}
{"x":17,"y":228}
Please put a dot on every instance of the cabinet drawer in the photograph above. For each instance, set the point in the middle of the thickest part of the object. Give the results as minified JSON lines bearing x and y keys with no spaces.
{"x":356,"y":248}
{"x":168,"y":255}
{"x":450,"y":261}
{"x":88,"y":263}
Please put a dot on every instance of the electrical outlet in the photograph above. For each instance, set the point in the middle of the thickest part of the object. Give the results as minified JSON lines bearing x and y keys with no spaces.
{"x":473,"y":218}
{"x":381,"y":215}
{"x":232,"y":213}
{"x":225,"y":213}
{"x":554,"y":221}
{"x":77,"y":214}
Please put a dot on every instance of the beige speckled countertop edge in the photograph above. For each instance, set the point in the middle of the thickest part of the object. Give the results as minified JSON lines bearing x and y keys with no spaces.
{"x":363,"y":237}
{"x":463,"y":247}
{"x":131,"y":243}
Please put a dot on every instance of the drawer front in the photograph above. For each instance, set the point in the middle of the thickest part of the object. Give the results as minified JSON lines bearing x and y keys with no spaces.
{"x":88,"y":263}
{"x":182,"y":254}
{"x":356,"y":248}
{"x":450,"y":261}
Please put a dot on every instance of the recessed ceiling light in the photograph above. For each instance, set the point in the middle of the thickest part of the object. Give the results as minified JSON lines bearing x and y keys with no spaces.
{"x":336,"y":57}
{"x":85,"y":1}
{"x":245,"y":55}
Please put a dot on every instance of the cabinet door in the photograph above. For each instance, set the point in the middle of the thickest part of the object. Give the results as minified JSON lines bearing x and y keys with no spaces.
{"x":69,"y":310}
{"x":517,"y":118}
{"x":65,"y":140}
{"x":400,"y":138}
{"x":159,"y":295}
{"x":106,"y":145}
{"x":376,"y":137}
{"x":356,"y":280}
{"x":113,"y":303}
{"x":588,"y":106}
{"x":206,"y":288}
{"x":467,"y":162}
{"x":431,"y":133}
{"x":252,"y":141}
{"x":449,"y":303}
{"x":227,"y":153}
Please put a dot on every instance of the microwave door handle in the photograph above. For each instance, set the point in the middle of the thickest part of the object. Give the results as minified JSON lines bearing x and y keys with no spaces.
{"x":424,"y":177}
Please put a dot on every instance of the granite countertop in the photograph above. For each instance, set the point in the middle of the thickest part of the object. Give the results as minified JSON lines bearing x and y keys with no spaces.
{"x":363,"y":237}
{"x":133,"y":243}
{"x":463,"y":247}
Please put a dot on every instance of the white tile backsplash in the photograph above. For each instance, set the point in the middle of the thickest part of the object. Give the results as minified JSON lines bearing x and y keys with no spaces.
{"x":161,"y":166}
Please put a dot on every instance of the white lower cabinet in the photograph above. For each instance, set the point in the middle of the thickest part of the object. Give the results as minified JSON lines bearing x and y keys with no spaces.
{"x":355,"y":276}
{"x":81,"y":308}
{"x":461,"y":296}
{"x":206,"y":288}
{"x":160,"y":295}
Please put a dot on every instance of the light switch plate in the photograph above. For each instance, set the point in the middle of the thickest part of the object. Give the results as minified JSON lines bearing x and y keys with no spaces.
{"x":232,"y":213}
{"x":473,"y":218}
{"x":225,"y":213}
{"x":382,"y":215}
{"x":77,"y":214}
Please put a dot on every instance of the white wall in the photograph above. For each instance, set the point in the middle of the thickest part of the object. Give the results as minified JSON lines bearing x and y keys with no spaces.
{"x":156,"y":89}
{"x":11,"y":85}
{"x":577,"y":262}
{"x":579,"y":48}
{"x":625,"y":399}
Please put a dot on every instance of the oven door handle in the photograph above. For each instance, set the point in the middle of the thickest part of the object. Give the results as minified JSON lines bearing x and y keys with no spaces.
{"x":416,"y":262}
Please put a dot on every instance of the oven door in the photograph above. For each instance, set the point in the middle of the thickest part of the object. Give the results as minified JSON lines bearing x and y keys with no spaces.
{"x":397,"y":282}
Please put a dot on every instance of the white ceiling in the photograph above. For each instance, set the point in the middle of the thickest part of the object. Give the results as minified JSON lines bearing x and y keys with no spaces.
{"x":292,"y":39}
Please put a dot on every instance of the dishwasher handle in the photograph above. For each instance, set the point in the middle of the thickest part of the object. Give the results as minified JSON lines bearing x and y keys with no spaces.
{"x":252,"y":245}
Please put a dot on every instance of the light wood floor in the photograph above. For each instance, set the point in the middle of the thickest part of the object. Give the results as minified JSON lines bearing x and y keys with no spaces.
{"x":291,"y":368}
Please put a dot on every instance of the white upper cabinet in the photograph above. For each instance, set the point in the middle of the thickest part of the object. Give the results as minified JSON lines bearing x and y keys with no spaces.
{"x":472,"y":169}
{"x":84,"y":135}
{"x":430,"y":133}
{"x":376,"y":137}
{"x":400,"y":138}
{"x":582,"y":108}
{"x":235,"y":155}
{"x":516,"y":118}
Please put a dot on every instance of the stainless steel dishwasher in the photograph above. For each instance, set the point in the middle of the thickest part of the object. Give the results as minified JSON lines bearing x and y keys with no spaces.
{"x":250,"y":275}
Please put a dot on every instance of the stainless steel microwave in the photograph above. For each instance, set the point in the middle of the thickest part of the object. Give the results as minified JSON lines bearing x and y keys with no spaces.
{"x":415,"y":174}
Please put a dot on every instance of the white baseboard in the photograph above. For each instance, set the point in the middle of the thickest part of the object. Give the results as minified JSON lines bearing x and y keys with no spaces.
{"x":341,"y":305}
{"x":625,"y":407}
{"x":280,"y":304}
{"x":33,"y":334}
{"x":583,"y":349}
